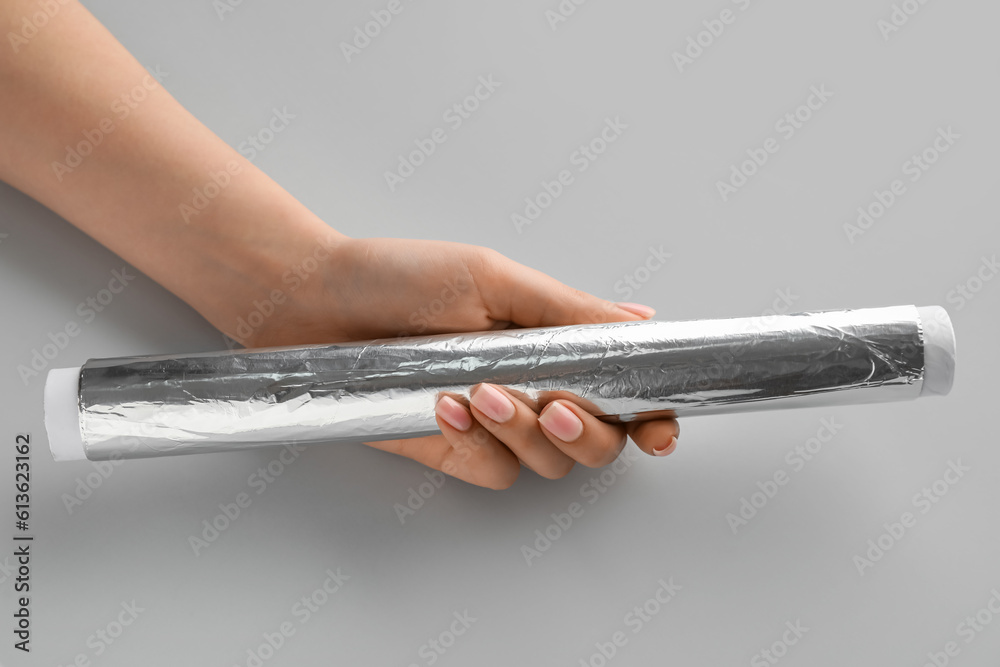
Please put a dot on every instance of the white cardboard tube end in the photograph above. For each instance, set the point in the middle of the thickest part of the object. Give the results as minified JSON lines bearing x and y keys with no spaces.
{"x":939,"y":351}
{"x":62,"y":414}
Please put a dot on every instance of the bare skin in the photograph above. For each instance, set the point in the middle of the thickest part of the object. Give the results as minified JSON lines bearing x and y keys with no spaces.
{"x":146,"y":179}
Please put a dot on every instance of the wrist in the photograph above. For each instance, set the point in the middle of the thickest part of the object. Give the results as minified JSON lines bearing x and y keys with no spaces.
{"x":254,"y":263}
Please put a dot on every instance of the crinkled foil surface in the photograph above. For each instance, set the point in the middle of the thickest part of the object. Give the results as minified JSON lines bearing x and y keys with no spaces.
{"x":163,"y":405}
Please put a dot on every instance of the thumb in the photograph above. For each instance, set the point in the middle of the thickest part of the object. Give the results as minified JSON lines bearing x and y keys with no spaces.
{"x":516,"y":293}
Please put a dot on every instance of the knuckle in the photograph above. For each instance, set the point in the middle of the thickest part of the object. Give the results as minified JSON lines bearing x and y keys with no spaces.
{"x":559,"y":472}
{"x":473,"y":442}
{"x":505,"y":479}
{"x":483,"y":256}
{"x":599,"y":457}
{"x":592,"y":461}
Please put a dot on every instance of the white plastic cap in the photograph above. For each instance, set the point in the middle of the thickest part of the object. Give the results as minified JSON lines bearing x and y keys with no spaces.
{"x":62,"y":414}
{"x":939,"y":351}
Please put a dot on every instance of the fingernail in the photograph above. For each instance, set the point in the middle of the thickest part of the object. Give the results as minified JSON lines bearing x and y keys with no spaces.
{"x":666,"y":449}
{"x":561,"y":422}
{"x":453,"y":413}
{"x":637,"y":309}
{"x":493,"y":403}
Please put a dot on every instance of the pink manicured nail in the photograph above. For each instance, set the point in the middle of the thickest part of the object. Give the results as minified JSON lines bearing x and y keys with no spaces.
{"x":637,"y":309}
{"x":493,"y":403}
{"x":666,"y":449}
{"x":561,"y":422}
{"x":454,"y":413}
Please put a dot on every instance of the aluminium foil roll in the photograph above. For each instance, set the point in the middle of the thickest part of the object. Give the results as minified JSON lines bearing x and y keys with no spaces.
{"x":209,"y":402}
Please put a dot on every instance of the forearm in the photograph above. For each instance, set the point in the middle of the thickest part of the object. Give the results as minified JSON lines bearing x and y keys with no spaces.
{"x":85,"y":130}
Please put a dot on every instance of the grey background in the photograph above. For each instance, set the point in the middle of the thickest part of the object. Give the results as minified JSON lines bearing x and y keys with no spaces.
{"x":656,"y":186}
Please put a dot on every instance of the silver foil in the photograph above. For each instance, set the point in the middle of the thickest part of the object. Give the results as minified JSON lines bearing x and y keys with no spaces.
{"x":183,"y":404}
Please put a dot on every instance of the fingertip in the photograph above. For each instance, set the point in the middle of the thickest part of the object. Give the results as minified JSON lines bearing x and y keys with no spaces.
{"x":505,"y":478}
{"x":561,"y":421}
{"x":657,"y":437}
{"x":645,"y":312}
{"x":453,"y":413}
{"x":667,"y":449}
{"x":493,"y":403}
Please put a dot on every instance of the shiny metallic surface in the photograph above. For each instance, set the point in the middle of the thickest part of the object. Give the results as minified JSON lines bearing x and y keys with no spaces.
{"x":166,"y":405}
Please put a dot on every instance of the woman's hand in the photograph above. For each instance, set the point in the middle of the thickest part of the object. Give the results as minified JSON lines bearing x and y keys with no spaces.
{"x":376,"y":288}
{"x":179,"y":204}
